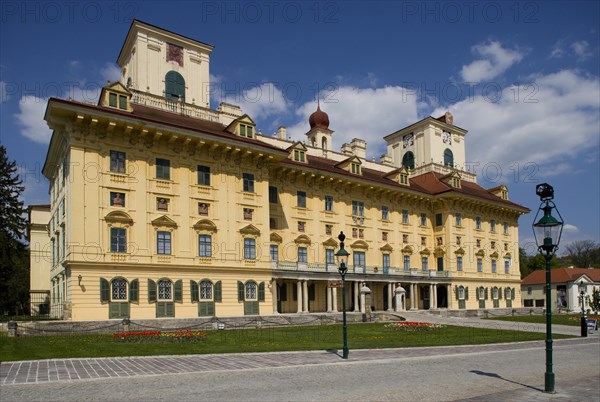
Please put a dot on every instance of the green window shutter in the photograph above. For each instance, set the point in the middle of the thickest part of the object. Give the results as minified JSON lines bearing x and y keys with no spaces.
{"x":134,"y":291}
{"x":485,"y":293}
{"x":261,"y":291}
{"x":499,"y":293}
{"x":104,"y":291}
{"x":456,"y":292}
{"x":206,"y":309}
{"x":218,"y":292}
{"x":170,"y":309}
{"x":118,"y":310}
{"x":311,"y":292}
{"x":178,"y":293}
{"x":210,"y":308}
{"x":476,"y":293}
{"x":194,"y":291}
{"x":512,"y":294}
{"x":467,"y":293}
{"x":251,"y":308}
{"x":240,"y":291}
{"x":151,"y":291}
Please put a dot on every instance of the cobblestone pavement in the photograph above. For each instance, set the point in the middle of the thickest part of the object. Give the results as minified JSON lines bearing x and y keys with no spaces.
{"x":43,"y":371}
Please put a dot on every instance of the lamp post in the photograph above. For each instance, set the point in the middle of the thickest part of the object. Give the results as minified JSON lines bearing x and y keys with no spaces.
{"x":342,"y":260}
{"x":583,"y":319}
{"x":547,"y":231}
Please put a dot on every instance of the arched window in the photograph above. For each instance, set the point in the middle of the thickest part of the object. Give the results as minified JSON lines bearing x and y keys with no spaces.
{"x":448,"y":158}
{"x":119,"y":289}
{"x":174,"y":86}
{"x":251,"y":291}
{"x":165,"y":290}
{"x":206,"y":290}
{"x":323,"y":143}
{"x":408,"y":160}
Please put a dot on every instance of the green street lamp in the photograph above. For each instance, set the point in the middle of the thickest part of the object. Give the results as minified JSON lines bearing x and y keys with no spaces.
{"x":582,"y":287}
{"x":547,"y":231}
{"x":342,"y":260}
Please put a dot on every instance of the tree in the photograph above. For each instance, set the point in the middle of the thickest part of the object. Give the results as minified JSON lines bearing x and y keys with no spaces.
{"x":584,"y":253}
{"x":14,"y":255}
{"x":529,"y":264}
{"x":594,"y":301}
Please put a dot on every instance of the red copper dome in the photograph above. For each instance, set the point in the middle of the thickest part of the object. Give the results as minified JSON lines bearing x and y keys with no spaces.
{"x":319,"y":119}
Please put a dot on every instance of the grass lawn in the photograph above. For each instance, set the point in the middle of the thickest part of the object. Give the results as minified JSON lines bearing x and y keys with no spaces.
{"x":360,"y":336}
{"x":559,"y":319}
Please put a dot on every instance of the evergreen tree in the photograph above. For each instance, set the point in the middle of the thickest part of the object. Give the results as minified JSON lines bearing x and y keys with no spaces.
{"x":14,"y":255}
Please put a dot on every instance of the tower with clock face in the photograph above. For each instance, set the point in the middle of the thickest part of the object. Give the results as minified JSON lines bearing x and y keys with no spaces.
{"x":432,"y":144}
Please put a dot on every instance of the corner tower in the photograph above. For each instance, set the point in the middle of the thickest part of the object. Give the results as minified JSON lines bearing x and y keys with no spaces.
{"x":319,"y":135}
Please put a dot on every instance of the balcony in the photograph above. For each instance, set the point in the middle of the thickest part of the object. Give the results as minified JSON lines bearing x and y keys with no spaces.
{"x":174,"y":106}
{"x":357,"y":269}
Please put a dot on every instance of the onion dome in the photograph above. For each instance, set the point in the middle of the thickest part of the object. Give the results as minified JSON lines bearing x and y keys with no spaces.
{"x":319,"y":119}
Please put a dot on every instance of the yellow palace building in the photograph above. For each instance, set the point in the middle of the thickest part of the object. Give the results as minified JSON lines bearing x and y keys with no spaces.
{"x":163,"y":207}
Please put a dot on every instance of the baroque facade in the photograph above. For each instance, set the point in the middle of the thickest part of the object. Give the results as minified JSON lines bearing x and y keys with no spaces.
{"x":163,"y":207}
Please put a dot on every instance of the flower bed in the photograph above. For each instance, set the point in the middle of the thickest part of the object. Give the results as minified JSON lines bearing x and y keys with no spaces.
{"x":413,"y":326}
{"x":183,"y":335}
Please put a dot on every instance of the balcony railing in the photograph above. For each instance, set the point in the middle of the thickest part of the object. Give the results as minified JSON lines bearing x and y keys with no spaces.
{"x":174,"y":106}
{"x":357,"y":269}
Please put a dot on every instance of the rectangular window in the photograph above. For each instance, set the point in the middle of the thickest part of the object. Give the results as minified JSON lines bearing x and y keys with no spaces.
{"x":248,"y":182}
{"x":385,"y":213}
{"x":404,"y":216}
{"x":423,"y":219}
{"x":358,"y":208}
{"x":361,"y":233}
{"x":272,"y":195}
{"x":506,"y":228}
{"x":246,"y":131}
{"x":507,"y":265}
{"x":439,"y":220}
{"x":249,"y":249}
{"x":405,"y":238}
{"x":359,"y":259}
{"x":328,"y":229}
{"x":329,"y":257}
{"x":458,"y":240}
{"x":493,"y":245}
{"x":328,"y":203}
{"x":459,"y":263}
{"x":384,"y":236}
{"x":202,"y":208}
{"x":493,"y":266}
{"x":204,"y":246}
{"x":493,"y":225}
{"x":274,"y":252}
{"x":299,"y":156}
{"x":423,"y":241}
{"x":406,"y":260}
{"x":163,"y":242}
{"x":302,"y":254}
{"x":458,"y":218}
{"x":163,"y":169}
{"x":355,"y":168}
{"x":123,"y":102}
{"x":479,"y":265}
{"x":248,"y":214}
{"x":386,"y":261}
{"x":162,"y":204}
{"x":112,"y":99}
{"x":424,"y":263}
{"x":203,"y":175}
{"x":301,"y":226}
{"x":117,"y":199}
{"x":478,"y":223}
{"x":118,"y":240}
{"x":117,"y":162}
{"x":301,"y":197}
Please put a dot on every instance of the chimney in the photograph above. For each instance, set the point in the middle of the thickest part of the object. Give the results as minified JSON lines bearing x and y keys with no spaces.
{"x":385,"y":159}
{"x":281,"y":133}
{"x":359,"y":148}
{"x":448,"y":118}
{"x":346,"y":149}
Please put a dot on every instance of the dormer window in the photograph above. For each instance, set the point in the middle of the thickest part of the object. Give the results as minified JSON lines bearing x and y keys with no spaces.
{"x":504,"y":194}
{"x":117,"y":100}
{"x":246,"y":130}
{"x":403,"y":178}
{"x":355,"y":168}
{"x":299,"y":156}
{"x":456,"y":182}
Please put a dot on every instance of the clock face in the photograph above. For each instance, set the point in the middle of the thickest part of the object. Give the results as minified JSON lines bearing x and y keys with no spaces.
{"x":408,"y":140}
{"x":447,"y":137}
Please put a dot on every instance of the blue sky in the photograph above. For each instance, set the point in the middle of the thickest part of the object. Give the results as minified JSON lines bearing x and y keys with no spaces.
{"x":522,"y":77}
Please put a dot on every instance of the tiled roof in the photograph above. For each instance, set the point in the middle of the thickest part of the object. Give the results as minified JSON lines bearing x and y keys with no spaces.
{"x":561,"y":275}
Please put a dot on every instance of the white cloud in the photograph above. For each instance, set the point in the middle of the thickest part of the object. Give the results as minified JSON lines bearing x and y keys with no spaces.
{"x":494,"y":60}
{"x":558,"y":50}
{"x":31,"y":119}
{"x":368,"y":114}
{"x":110,"y":72}
{"x":3,"y":95}
{"x":568,"y":228}
{"x":582,"y":50}
{"x":549,"y":123}
{"x":258,"y":102}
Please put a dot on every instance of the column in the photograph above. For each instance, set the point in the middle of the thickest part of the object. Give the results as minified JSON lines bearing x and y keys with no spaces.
{"x":430,"y":296}
{"x":274,"y":295}
{"x":435,"y":295}
{"x":415,"y":297}
{"x":329,"y":291}
{"x":389,"y":297}
{"x":356,"y":295}
{"x":305,"y":295}
{"x":449,"y":297}
{"x":299,"y":294}
{"x":362,"y":303}
{"x":334,"y":300}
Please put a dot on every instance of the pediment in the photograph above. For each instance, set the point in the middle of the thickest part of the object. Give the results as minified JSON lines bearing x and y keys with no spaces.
{"x":244,"y":119}
{"x":407,"y":250}
{"x":164,"y":221}
{"x":118,"y":217}
{"x":359,"y":244}
{"x":460,"y":251}
{"x":439,"y":252}
{"x":117,"y":87}
{"x":353,"y":159}
{"x":494,"y":255}
{"x":302,"y":239}
{"x":425,"y":251}
{"x":330,"y":243}
{"x":250,"y":230}
{"x":507,"y":255}
{"x":297,"y":145}
{"x":205,"y":225}
{"x":275,"y":238}
{"x":386,"y":247}
{"x":480,"y":253}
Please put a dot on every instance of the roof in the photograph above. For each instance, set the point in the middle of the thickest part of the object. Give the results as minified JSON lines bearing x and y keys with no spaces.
{"x":561,"y":275}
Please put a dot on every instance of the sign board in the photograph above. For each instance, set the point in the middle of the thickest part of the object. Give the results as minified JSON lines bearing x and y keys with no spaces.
{"x":592,"y":325}
{"x":334,"y":284}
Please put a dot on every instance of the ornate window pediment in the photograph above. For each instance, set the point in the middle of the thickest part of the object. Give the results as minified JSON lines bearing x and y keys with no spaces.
{"x":250,"y":230}
{"x":205,"y":225}
{"x":275,"y":238}
{"x":399,"y":176}
{"x":353,"y":165}
{"x":494,"y":254}
{"x":425,"y":251}
{"x":460,"y":251}
{"x":331,"y":243}
{"x":386,"y":247}
{"x":507,"y":255}
{"x":118,"y":217}
{"x":500,"y":191}
{"x":407,"y":250}
{"x":480,"y":253}
{"x":302,"y":239}
{"x":243,"y":126}
{"x":298,"y":152}
{"x":164,"y":221}
{"x":360,"y":245}
{"x":439,"y":252}
{"x":117,"y":96}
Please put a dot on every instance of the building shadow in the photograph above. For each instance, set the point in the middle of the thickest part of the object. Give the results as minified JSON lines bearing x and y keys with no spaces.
{"x":494,"y":375}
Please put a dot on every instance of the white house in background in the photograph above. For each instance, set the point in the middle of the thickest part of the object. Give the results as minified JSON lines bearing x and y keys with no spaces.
{"x":565,"y":287}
